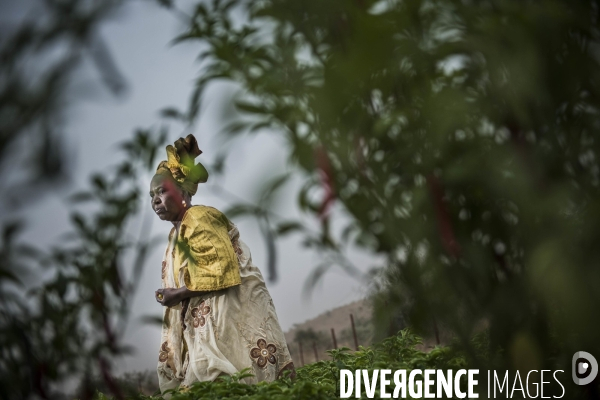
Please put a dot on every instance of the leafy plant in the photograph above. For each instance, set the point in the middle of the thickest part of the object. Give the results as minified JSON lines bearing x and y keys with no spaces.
{"x":320,"y":380}
{"x":461,"y":139}
{"x":70,"y":325}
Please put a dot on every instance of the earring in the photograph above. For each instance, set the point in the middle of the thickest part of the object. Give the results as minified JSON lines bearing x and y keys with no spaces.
{"x":184,"y":203}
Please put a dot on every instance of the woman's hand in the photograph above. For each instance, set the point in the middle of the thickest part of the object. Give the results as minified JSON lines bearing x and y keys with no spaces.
{"x":168,"y":297}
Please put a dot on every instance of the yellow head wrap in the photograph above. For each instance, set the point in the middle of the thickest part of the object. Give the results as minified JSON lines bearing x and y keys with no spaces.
{"x":180,"y":164}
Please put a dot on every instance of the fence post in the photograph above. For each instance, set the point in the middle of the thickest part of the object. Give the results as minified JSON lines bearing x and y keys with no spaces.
{"x":333,"y":337}
{"x":301,"y":353}
{"x":354,"y":332}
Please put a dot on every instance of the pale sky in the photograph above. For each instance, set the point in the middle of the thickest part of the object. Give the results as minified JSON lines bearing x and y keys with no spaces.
{"x":159,"y":75}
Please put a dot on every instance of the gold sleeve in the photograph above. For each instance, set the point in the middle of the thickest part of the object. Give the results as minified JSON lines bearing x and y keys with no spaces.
{"x":205,"y":258}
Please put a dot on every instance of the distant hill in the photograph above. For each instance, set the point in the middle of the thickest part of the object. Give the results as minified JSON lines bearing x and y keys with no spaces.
{"x":318,"y":331}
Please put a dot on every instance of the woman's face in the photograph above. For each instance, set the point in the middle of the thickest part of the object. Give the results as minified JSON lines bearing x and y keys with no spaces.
{"x":166,"y":198}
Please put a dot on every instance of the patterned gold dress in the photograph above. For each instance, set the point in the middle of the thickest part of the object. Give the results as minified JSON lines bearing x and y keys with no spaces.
{"x":232,"y":327}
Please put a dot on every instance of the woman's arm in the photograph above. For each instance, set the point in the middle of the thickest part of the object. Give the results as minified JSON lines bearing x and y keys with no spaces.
{"x":212,"y":263}
{"x":169,"y":297}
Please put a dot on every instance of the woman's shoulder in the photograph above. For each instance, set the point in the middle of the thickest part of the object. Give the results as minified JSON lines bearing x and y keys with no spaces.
{"x":199,"y":212}
{"x":204,"y":218}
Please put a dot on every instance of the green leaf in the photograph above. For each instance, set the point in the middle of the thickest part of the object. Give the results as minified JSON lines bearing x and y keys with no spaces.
{"x":81,"y":197}
{"x":272,"y":187}
{"x":238,"y":210}
{"x":285,"y":228}
{"x":172,"y":113}
{"x":250,"y":107}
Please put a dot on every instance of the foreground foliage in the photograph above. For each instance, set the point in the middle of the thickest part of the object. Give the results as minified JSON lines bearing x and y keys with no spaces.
{"x":460,"y":137}
{"x":63,"y":308}
{"x":320,"y":380}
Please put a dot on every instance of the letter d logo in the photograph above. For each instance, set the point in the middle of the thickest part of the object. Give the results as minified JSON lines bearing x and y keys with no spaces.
{"x":585,"y":368}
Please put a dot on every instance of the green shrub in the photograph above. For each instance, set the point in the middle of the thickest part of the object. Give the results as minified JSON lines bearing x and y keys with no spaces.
{"x":320,"y":380}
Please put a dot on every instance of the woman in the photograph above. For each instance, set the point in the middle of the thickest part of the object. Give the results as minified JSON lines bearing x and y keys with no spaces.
{"x":219,"y":317}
